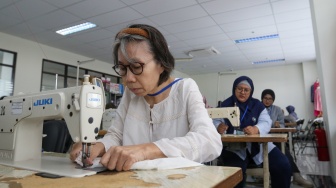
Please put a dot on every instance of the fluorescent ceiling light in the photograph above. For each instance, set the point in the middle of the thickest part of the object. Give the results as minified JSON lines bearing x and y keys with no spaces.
{"x":184,"y":59}
{"x":76,"y":28}
{"x":268,"y":61}
{"x":257,"y":38}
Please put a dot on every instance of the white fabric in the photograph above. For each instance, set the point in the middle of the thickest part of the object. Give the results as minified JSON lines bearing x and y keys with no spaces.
{"x":95,"y":162}
{"x":164,"y":164}
{"x":179,"y":125}
{"x":156,"y":164}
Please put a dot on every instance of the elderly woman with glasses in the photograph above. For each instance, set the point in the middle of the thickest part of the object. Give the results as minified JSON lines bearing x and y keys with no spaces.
{"x":254,"y":119}
{"x":159,"y":116}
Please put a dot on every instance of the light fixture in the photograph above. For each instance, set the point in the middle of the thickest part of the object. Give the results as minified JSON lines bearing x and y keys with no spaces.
{"x":203,"y":52}
{"x":184,"y":59}
{"x":257,"y":38}
{"x":76,"y":28}
{"x":268,"y":61}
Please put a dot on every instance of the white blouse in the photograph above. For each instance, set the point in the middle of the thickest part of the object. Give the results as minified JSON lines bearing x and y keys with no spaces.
{"x":179,"y":125}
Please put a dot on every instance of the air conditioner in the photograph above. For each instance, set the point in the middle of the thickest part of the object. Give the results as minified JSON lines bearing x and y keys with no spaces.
{"x":203,"y":52}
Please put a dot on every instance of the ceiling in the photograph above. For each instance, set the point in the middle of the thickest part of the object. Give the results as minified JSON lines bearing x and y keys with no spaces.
{"x":186,"y":24}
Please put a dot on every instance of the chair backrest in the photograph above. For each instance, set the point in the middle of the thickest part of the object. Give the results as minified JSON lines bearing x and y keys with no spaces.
{"x":300,"y":124}
{"x":58,"y":138}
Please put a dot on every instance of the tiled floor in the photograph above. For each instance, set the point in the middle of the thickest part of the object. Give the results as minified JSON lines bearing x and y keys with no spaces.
{"x":311,"y":168}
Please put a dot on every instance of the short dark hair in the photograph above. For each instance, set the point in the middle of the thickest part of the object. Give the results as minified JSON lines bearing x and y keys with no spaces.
{"x":157,"y":43}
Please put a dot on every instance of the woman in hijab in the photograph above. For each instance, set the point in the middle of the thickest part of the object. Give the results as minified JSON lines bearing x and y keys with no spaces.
{"x":291,"y":111}
{"x":254,"y":119}
{"x":276,"y":114}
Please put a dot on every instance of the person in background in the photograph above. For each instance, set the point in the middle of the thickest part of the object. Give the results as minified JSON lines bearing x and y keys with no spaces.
{"x":292,"y":116}
{"x":159,"y":116}
{"x":276,"y":114}
{"x":254,"y":119}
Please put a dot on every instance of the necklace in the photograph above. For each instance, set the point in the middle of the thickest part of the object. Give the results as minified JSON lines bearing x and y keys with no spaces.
{"x":165,"y":88}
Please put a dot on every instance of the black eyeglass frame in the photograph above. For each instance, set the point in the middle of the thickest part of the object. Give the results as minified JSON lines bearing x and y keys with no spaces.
{"x":128,"y":66}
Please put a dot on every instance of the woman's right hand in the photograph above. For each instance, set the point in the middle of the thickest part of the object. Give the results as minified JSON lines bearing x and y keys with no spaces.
{"x":96,"y":150}
{"x":222,"y":128}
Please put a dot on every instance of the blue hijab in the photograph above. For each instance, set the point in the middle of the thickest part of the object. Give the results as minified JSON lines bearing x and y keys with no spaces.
{"x":291,"y":111}
{"x":250,"y":110}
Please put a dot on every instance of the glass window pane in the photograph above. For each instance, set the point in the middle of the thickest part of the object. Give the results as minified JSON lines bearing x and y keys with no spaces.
{"x":48,"y":82}
{"x":53,"y":67}
{"x":95,"y":74}
{"x":6,"y":58}
{"x":72,"y":72}
{"x":6,"y":84}
{"x":72,"y":82}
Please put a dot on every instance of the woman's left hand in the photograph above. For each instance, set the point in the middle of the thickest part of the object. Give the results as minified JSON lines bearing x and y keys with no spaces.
{"x":121,"y":158}
{"x":251,"y":130}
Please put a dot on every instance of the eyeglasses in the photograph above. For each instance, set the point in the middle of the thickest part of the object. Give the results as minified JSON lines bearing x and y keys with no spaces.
{"x":268,"y":99}
{"x":135,"y":68}
{"x":241,"y":90}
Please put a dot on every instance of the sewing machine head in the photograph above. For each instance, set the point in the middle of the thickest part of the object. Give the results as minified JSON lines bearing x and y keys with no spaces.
{"x":22,"y":118}
{"x":231,"y":113}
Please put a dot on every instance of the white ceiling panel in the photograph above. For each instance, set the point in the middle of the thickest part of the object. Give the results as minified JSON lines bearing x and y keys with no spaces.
{"x":97,"y":34}
{"x":289,"y":5}
{"x":55,"y":19}
{"x":253,"y":32}
{"x":87,"y":9}
{"x":219,"y":6}
{"x":199,"y":33}
{"x":153,"y":7}
{"x":289,"y":26}
{"x":243,"y":14}
{"x":190,"y":25}
{"x":248,"y":24}
{"x":301,"y":14}
{"x":207,"y":40}
{"x":186,"y":24}
{"x":115,"y":17}
{"x":62,"y":3}
{"x":28,"y":10}
{"x":179,"y":15}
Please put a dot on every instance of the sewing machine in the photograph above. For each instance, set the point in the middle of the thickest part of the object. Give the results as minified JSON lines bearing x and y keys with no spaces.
{"x":231,"y":113}
{"x":21,"y":127}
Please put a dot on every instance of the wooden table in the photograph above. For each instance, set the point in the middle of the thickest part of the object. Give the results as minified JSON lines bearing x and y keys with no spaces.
{"x":264,"y":139}
{"x":201,"y":176}
{"x":292,"y":124}
{"x":290,"y":137}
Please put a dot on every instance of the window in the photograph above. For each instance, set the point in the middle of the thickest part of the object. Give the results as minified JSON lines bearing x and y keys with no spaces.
{"x":7,"y":72}
{"x":66,"y":75}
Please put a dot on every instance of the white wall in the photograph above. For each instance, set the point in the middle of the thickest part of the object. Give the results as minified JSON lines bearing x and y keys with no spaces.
{"x":178,"y":74}
{"x":288,"y":82}
{"x":324,"y":25}
{"x":29,"y":62}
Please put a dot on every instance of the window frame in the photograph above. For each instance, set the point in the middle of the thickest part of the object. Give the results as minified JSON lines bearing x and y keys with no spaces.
{"x":66,"y":73}
{"x":12,"y":66}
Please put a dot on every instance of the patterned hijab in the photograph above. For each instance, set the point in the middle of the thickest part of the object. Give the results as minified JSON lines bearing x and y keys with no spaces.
{"x":250,"y":110}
